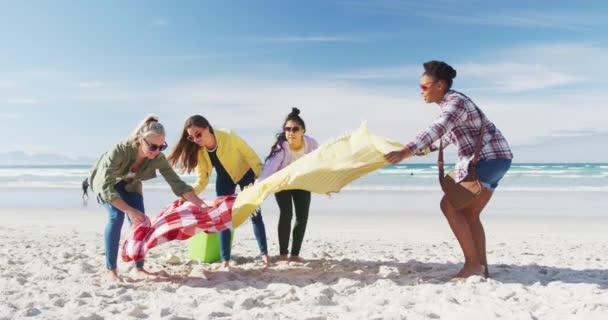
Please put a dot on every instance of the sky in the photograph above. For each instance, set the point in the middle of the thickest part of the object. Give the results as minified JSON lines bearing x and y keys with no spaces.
{"x":78,"y":76}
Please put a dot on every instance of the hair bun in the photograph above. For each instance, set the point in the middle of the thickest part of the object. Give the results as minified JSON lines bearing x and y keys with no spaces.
{"x":445,"y":71}
{"x":294,"y":112}
{"x":450,"y":72}
{"x":151,"y":118}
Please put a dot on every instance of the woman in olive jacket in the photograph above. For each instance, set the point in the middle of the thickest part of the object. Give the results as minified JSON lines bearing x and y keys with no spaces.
{"x":116,"y":180}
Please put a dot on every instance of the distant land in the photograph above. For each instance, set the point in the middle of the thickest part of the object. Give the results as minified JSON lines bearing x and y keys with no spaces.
{"x":22,"y":158}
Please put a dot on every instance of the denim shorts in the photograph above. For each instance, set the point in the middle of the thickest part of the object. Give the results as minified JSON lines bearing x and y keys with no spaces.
{"x":491,"y":171}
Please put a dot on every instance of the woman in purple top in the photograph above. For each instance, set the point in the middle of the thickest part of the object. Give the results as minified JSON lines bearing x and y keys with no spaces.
{"x":291,"y":145}
{"x":460,"y":122}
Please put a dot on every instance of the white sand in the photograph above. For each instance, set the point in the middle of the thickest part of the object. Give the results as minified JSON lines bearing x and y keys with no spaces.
{"x":381,"y":265}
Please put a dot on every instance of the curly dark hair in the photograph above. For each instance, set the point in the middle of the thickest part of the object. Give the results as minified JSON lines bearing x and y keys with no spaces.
{"x":440,"y":70}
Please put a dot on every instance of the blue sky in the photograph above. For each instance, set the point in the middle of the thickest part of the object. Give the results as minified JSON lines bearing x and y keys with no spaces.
{"x":77,"y":76}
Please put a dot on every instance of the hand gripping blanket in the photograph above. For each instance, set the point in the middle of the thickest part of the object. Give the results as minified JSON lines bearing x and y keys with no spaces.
{"x":178,"y":221}
{"x":325,"y":170}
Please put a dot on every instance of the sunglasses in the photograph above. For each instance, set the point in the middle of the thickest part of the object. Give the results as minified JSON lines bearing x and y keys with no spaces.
{"x":291,"y":129}
{"x":154,"y":147}
{"x":197,"y":135}
{"x":427,"y":86}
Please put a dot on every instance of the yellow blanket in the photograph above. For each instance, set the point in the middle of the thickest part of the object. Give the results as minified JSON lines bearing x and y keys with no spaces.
{"x":325,"y":170}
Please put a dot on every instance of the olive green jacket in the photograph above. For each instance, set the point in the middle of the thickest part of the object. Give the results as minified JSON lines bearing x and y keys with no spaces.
{"x":114,"y":165}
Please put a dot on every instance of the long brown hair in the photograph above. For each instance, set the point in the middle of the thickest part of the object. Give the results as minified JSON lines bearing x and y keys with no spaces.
{"x":185,"y":153}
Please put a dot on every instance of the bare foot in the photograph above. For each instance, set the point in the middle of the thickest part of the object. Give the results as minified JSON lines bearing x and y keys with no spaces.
{"x":266,"y":260}
{"x":225,"y":266}
{"x":113,"y":277}
{"x":296,"y":259}
{"x":470,"y":270}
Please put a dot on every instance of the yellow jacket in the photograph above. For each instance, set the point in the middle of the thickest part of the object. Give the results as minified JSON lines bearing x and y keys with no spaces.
{"x":234,"y":153}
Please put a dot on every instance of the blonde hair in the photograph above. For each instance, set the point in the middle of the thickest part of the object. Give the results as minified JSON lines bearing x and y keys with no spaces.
{"x":148,"y":127}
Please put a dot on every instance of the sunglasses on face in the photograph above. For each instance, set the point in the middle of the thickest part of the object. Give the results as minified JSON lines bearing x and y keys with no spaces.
{"x":291,"y":129}
{"x":425,"y":87}
{"x":197,"y":135}
{"x":153,"y":147}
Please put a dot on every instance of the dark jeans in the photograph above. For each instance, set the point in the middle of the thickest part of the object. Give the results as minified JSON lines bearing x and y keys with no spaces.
{"x":301,"y":201}
{"x":116,"y":219}
{"x":225,"y":186}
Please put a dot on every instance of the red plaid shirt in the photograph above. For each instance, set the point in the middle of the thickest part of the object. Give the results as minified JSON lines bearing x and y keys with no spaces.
{"x":460,"y":123}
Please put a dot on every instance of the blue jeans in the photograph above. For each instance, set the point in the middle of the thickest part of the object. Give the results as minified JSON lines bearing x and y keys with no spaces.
{"x":491,"y":171}
{"x":116,"y":219}
{"x":225,"y":186}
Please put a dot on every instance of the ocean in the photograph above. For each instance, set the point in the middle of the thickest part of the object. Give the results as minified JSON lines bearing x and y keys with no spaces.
{"x":530,"y":187}
{"x":592,"y":177}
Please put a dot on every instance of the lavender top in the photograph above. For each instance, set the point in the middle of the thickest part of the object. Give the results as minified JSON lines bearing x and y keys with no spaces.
{"x":283,"y":158}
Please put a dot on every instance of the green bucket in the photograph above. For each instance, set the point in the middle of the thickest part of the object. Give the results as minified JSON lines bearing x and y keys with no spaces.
{"x":205,"y":247}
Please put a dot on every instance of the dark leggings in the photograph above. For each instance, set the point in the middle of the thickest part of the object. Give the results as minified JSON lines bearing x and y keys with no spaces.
{"x":301,"y":201}
{"x":225,"y":186}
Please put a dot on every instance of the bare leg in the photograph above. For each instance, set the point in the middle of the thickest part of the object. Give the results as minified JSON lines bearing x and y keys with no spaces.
{"x":266,"y":260}
{"x":472,"y":214}
{"x":461,"y":229}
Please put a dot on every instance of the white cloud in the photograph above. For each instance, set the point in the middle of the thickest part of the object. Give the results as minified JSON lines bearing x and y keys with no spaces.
{"x":481,"y":13}
{"x":6,"y":84}
{"x":589,"y":59}
{"x":92,"y":84}
{"x":516,"y":89}
{"x":503,"y":77}
{"x":186,"y":57}
{"x":10,"y":116}
{"x":387,"y":73}
{"x":515,"y":77}
{"x":309,"y":39}
{"x":22,"y":101}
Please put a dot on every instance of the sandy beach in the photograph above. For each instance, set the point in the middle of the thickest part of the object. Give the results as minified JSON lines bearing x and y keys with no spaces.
{"x":379,"y":262}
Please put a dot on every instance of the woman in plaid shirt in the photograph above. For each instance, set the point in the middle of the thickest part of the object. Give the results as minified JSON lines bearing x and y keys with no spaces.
{"x":460,"y":123}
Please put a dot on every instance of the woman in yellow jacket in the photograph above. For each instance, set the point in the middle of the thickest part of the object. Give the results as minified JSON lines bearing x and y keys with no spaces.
{"x":203,"y":148}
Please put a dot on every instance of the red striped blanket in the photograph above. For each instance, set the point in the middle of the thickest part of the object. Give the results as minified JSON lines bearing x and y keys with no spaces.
{"x":178,"y":221}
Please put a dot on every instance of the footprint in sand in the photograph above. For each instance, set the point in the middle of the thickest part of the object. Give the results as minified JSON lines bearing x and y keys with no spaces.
{"x":58,"y":303}
{"x":31,"y":312}
{"x":324,"y":297}
{"x":87,"y":268}
{"x":93,"y":316}
{"x":138,"y":313}
{"x":247,"y":304}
